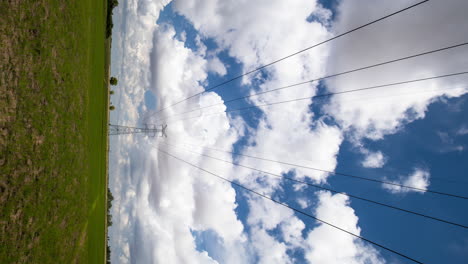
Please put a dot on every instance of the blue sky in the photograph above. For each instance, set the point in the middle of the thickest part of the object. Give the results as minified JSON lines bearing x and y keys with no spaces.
{"x":394,"y":135}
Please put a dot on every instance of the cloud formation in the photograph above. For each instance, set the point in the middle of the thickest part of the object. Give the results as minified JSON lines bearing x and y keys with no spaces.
{"x":162,"y":206}
{"x":373,"y":159}
{"x":418,"y":179}
{"x":154,"y":221}
{"x":323,"y":241}
{"x":377,"y":113}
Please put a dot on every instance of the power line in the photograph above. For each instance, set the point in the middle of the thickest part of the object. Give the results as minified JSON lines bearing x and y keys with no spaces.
{"x":315,"y":96}
{"x":448,"y":180}
{"x":329,"y":189}
{"x":253,"y":107}
{"x":350,"y":71}
{"x":291,"y":55}
{"x":292,"y":208}
{"x":340,"y":174}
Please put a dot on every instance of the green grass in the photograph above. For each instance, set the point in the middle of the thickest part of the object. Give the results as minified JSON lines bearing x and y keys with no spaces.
{"x":53,"y":137}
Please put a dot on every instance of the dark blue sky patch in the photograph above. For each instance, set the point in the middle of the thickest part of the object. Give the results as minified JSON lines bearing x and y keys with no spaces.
{"x":331,"y":5}
{"x":242,"y":209}
{"x":328,"y":4}
{"x":181,"y":26}
{"x":317,"y":107}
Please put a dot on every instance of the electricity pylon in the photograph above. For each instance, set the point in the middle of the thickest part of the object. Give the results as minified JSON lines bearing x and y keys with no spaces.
{"x":150,"y":131}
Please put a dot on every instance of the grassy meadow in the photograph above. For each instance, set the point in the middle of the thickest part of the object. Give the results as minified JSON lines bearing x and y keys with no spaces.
{"x":54,"y":63}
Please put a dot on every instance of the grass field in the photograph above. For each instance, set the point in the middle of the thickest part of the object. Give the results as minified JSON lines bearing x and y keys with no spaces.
{"x":53,"y":138}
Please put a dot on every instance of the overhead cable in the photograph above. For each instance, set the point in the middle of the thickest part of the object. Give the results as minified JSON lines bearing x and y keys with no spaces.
{"x":324,"y":95}
{"x":291,"y":55}
{"x":292,"y":208}
{"x":342,"y":174}
{"x":326,"y":189}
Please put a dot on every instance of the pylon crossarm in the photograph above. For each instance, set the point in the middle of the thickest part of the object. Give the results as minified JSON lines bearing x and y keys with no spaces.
{"x":149,"y":130}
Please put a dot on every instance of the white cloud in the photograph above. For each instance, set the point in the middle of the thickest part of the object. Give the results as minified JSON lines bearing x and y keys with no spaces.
{"x":374,"y":114}
{"x":254,"y":33}
{"x":448,"y":141}
{"x":148,"y":187}
{"x":247,"y":40}
{"x":462,"y":131}
{"x":303,"y":203}
{"x":373,"y":159}
{"x":285,"y":133}
{"x":327,"y":245}
{"x":269,"y":250}
{"x":216,"y":66}
{"x":315,"y":148}
{"x":158,"y":200}
{"x":418,"y":179}
{"x":266,"y":216}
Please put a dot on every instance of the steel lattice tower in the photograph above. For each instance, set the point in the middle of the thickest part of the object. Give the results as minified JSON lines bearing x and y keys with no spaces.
{"x":150,"y":131}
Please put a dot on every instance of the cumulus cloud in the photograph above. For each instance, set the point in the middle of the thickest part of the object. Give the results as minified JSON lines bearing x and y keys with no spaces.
{"x":268,"y":249}
{"x":265,"y":217}
{"x":373,"y":159}
{"x":323,"y":241}
{"x":283,"y":133}
{"x":374,"y":114}
{"x":153,"y":221}
{"x":303,"y":203}
{"x":149,"y":186}
{"x":418,"y":179}
{"x":246,"y":31}
{"x":216,"y":66}
{"x":254,"y":32}
{"x":319,"y":243}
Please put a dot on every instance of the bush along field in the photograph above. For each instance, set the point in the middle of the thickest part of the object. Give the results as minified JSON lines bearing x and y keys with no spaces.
{"x":54,"y":62}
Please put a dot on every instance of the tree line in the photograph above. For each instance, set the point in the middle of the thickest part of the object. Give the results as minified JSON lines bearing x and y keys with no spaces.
{"x":110,"y":198}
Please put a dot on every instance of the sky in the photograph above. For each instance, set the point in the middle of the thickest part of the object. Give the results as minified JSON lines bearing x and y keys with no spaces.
{"x":415,"y":134}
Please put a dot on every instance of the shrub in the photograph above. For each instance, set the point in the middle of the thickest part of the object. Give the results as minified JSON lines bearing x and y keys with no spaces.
{"x":111,"y":4}
{"x":111,"y":107}
{"x":113,"y":81}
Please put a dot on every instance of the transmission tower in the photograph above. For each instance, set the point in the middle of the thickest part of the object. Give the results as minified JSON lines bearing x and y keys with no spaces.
{"x":150,"y":131}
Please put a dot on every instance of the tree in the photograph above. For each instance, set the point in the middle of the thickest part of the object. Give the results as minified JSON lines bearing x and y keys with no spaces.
{"x":108,"y":252}
{"x":110,"y":198}
{"x":113,"y":81}
{"x":111,"y":107}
